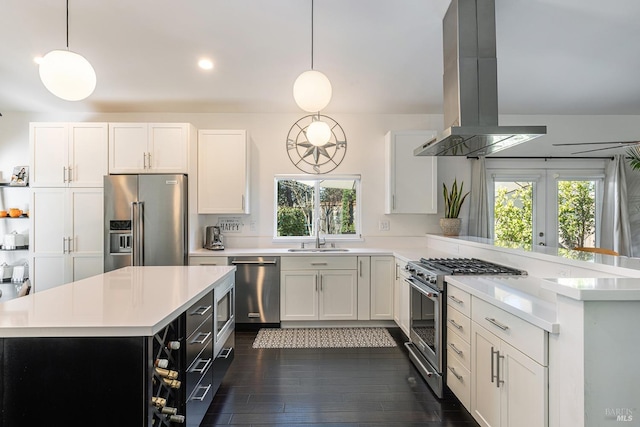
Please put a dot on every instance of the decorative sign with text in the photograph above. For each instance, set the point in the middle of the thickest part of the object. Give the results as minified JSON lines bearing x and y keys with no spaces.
{"x":231,"y":224}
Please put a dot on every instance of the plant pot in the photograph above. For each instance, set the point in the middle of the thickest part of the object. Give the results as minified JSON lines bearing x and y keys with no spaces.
{"x":450,"y":226}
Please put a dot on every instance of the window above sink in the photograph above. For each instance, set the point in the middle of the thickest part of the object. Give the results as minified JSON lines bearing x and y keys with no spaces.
{"x":300,"y":200}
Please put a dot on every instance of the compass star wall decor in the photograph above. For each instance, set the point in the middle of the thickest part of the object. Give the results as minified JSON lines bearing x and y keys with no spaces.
{"x":316,"y":159}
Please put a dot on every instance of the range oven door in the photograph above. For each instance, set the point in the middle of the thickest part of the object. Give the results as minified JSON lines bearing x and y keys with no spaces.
{"x":425,"y":333}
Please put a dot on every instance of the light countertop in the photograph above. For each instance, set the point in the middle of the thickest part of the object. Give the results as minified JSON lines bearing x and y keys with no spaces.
{"x":524,"y":297}
{"x":566,"y":256}
{"x":596,"y":289}
{"x":406,"y":254}
{"x":131,"y":301}
{"x":285,"y":252}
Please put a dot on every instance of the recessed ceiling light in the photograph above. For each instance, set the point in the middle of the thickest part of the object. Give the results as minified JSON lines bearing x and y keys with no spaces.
{"x":205,"y":64}
{"x":37,"y":59}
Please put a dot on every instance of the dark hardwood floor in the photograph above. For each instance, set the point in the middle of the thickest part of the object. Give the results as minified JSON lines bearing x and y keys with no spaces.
{"x":329,"y":387}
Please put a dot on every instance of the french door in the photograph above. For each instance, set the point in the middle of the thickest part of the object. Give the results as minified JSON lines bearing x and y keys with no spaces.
{"x":544,"y":207}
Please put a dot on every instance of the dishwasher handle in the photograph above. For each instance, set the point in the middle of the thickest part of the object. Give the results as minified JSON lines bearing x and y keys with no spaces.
{"x":270,"y":262}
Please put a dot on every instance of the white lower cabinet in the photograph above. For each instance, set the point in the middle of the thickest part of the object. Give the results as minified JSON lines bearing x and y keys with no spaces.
{"x":318,"y":288}
{"x":401,"y":291}
{"x":459,"y":344}
{"x":318,"y":295}
{"x":67,"y":235}
{"x":509,"y":388}
{"x":382,"y":281}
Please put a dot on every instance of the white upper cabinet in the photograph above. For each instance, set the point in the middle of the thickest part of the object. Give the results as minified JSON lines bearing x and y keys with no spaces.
{"x":223,"y":172}
{"x":68,"y":154}
{"x":149,"y":147}
{"x":410,"y":181}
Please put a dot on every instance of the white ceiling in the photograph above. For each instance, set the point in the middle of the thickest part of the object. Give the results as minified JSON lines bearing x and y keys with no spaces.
{"x":382,"y":56}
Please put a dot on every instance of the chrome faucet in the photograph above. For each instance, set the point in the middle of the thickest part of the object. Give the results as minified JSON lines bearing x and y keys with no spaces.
{"x":318,"y":244}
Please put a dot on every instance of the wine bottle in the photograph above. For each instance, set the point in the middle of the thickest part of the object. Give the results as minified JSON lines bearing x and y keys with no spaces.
{"x":161,"y":363}
{"x":158,"y":401}
{"x":172,"y":383}
{"x":173,"y":345}
{"x":176,"y":419}
{"x":168,"y":410}
{"x":167,"y":373}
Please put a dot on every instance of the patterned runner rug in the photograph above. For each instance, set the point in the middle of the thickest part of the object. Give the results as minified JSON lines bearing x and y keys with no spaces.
{"x":323,"y":338}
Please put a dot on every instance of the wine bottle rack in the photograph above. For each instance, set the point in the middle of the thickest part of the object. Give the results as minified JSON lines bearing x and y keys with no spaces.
{"x":173,"y":396}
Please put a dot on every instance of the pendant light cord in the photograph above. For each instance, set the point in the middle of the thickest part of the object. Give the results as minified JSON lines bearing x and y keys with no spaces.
{"x":311,"y":34}
{"x":67,"y":24}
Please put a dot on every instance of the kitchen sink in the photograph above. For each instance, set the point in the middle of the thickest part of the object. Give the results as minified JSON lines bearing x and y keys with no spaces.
{"x":318,"y":250}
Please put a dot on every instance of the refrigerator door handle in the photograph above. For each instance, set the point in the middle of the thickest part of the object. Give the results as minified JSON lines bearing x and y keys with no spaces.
{"x":135,"y":249}
{"x":140,"y":224}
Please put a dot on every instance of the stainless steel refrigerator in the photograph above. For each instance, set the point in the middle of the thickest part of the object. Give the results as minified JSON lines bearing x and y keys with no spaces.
{"x":145,"y":220}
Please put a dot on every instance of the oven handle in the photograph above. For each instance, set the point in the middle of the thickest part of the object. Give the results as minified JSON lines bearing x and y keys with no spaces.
{"x":433,"y":294}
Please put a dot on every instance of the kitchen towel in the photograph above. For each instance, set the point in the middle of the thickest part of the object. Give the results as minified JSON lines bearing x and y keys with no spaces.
{"x":323,"y":338}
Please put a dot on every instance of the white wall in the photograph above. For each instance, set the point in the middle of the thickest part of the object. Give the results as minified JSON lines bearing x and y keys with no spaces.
{"x":365,"y":156}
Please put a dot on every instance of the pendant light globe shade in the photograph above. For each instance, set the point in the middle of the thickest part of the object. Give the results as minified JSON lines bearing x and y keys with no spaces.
{"x":318,"y":133}
{"x":312,"y":91}
{"x":67,"y":75}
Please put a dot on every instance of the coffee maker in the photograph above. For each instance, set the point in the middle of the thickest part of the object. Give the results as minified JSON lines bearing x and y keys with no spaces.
{"x":213,"y":238}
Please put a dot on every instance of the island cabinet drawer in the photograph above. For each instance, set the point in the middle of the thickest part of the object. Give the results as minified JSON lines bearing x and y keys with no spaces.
{"x":460,"y":323}
{"x":199,"y":389}
{"x":459,"y":348}
{"x":198,"y":340}
{"x":199,"y":369}
{"x":199,"y":312}
{"x":459,"y":380}
{"x":528,"y":338}
{"x":319,"y":263}
{"x":459,"y":299}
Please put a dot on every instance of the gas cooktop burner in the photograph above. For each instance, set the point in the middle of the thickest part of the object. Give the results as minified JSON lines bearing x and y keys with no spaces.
{"x":468,"y":266}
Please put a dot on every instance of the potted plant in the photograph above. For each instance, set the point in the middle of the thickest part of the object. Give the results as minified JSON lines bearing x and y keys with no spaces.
{"x":453,"y":201}
{"x":633,"y":156}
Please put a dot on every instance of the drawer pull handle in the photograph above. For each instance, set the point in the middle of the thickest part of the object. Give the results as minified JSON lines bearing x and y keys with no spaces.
{"x":225,"y":353}
{"x":456,"y":300}
{"x":456,"y":349}
{"x":459,"y":327}
{"x":201,"y":366}
{"x":200,"y":311}
{"x":455,"y":374}
{"x":200,"y":388}
{"x":496,"y":323}
{"x":200,"y":338}
{"x":318,"y":263}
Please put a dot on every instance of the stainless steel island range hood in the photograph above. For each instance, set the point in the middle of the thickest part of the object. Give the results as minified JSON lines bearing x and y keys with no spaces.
{"x":470,"y":86}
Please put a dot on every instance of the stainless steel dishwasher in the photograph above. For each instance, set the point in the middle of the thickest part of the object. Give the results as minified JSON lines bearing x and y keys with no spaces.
{"x":257,"y":291}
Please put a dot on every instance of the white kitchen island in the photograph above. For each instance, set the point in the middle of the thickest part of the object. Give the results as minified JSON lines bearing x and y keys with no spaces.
{"x":583,"y":372}
{"x":594,"y":380}
{"x":85,"y":351}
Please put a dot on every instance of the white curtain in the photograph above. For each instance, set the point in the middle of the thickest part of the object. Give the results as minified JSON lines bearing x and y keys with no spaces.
{"x":615,"y":230}
{"x":479,"y":223}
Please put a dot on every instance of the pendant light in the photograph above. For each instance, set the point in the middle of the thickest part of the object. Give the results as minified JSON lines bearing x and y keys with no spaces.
{"x":312,"y":89}
{"x":66,"y":74}
{"x":318,"y":133}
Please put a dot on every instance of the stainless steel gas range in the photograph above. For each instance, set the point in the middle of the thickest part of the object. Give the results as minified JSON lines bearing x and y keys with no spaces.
{"x":428,"y":304}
